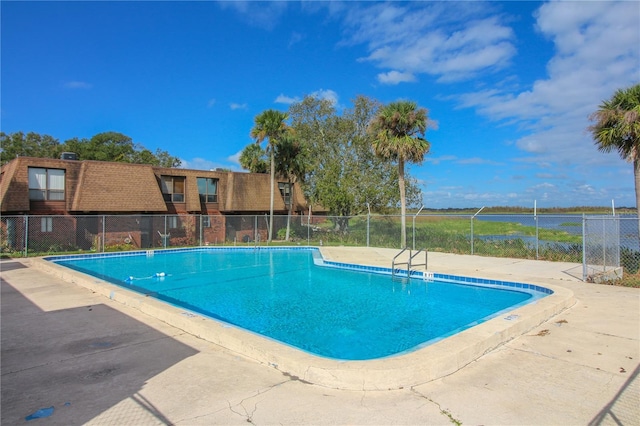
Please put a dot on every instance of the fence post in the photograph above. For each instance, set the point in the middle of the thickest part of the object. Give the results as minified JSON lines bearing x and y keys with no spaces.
{"x":535,"y":219}
{"x":472,"y":217}
{"x":255,"y":229}
{"x":472,"y":234}
{"x":584,"y":248}
{"x":104,"y":231}
{"x":26,"y":235}
{"x":414,"y":227}
{"x":368,"y":219}
{"x":309,"y":228}
{"x":604,"y":246}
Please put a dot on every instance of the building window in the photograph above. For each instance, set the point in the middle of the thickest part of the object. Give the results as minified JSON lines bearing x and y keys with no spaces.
{"x":285,"y":191}
{"x":46,"y":184}
{"x":206,"y":222}
{"x":208,"y":190}
{"x":173,"y":188}
{"x":46,"y":224}
{"x":173,"y":222}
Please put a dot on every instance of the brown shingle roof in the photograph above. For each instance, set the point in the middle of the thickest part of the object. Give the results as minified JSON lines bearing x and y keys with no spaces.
{"x":97,"y":186}
{"x":117,"y":187}
{"x":14,"y":190}
{"x":12,"y":198}
{"x":249,"y":192}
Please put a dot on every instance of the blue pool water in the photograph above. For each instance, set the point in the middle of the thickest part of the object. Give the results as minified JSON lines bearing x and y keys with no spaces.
{"x":286,"y":296}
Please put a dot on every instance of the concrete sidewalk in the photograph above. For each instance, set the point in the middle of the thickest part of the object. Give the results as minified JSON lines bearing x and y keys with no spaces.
{"x":97,"y":361}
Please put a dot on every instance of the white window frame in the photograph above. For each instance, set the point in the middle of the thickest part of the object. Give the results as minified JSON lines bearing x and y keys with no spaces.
{"x":285,"y":192}
{"x":46,"y":224}
{"x":48,"y":183}
{"x":172,"y":222}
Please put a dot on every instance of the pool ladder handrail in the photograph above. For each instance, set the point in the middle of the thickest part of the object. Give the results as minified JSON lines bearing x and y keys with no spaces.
{"x":393,"y":262}
{"x":409,"y":262}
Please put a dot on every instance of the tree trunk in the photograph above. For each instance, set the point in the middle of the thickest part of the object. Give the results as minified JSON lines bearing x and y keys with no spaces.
{"x":636,"y":175}
{"x":290,"y":208}
{"x":273,"y":178}
{"x":403,"y":201}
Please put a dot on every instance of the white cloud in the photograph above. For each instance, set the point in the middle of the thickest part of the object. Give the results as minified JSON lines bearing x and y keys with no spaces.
{"x":450,"y":41}
{"x":295,"y":39}
{"x":261,"y":14}
{"x":204,"y":164}
{"x":211,"y":103}
{"x":596,"y":52}
{"x":328,"y":95}
{"x":478,"y":160}
{"x":464,"y":197}
{"x":235,"y":106}
{"x":235,"y":158}
{"x":438,"y":160}
{"x":284,"y":99}
{"x":77,"y":85}
{"x":395,"y":77}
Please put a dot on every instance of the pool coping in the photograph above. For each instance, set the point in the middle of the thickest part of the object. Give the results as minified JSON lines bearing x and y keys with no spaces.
{"x":410,"y":369}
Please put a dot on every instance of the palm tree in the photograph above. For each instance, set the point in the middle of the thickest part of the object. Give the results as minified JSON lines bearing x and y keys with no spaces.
{"x":252,"y":158}
{"x":398,"y":131}
{"x":270,"y":125}
{"x":617,"y":127}
{"x":290,"y":163}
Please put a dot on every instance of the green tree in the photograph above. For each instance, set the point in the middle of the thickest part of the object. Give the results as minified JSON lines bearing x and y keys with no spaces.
{"x":617,"y":128}
{"x":108,"y":146}
{"x":30,"y":145}
{"x":290,"y":163}
{"x":254,"y":159}
{"x":398,"y":132}
{"x":114,"y":146}
{"x":270,"y":125}
{"x":165,"y":159}
{"x":342,"y":173}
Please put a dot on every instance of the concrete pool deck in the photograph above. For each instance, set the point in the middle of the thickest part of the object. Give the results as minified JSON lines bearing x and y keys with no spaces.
{"x":99,"y":361}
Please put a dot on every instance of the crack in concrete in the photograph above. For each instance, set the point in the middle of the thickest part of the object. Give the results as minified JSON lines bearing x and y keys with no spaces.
{"x":249,"y":415}
{"x":444,"y":412}
{"x":533,"y":352}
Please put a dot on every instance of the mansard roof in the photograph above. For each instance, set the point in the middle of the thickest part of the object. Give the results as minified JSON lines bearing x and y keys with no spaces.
{"x":117,"y":187}
{"x":109,"y":187}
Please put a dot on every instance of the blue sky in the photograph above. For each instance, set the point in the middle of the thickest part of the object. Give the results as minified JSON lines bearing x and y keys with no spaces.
{"x":509,"y":85}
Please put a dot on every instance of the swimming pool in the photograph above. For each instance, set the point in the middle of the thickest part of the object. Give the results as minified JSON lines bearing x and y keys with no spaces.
{"x":333,"y":310}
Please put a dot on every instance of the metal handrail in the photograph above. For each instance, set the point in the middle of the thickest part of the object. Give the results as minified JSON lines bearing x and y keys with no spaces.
{"x":409,"y":262}
{"x":426,"y":260}
{"x":417,"y":253}
{"x":393,"y":262}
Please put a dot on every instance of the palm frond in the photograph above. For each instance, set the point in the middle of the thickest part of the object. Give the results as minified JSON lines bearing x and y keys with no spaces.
{"x":617,"y":124}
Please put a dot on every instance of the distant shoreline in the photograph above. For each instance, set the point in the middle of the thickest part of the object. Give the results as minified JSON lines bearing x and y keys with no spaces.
{"x":527,"y":210}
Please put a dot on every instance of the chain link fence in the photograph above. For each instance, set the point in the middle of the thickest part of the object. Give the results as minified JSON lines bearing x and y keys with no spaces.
{"x":611,"y":247}
{"x":603,"y":244}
